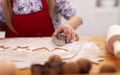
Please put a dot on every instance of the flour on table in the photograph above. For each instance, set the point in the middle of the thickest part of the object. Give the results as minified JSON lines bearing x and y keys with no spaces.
{"x":90,"y":51}
{"x":27,"y":51}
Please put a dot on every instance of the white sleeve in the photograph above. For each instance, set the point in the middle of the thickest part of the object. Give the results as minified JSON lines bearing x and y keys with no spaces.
{"x":65,"y":8}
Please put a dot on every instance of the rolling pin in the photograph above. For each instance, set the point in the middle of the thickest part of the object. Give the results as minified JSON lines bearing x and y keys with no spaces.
{"x":113,"y":40}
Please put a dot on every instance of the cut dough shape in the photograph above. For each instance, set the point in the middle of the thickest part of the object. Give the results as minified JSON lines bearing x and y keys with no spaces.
{"x":4,"y":47}
{"x":40,"y":49}
{"x":59,"y":49}
{"x":22,"y":47}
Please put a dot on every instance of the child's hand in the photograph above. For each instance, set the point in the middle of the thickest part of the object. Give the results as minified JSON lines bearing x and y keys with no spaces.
{"x":68,"y":31}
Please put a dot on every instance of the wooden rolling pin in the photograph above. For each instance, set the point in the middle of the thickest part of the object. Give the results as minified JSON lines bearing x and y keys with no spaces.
{"x":113,"y":40}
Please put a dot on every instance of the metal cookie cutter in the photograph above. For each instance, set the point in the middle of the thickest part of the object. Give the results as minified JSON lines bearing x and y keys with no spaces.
{"x":59,"y":39}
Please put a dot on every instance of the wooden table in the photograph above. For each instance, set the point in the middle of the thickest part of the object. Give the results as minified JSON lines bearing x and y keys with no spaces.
{"x":109,"y":58}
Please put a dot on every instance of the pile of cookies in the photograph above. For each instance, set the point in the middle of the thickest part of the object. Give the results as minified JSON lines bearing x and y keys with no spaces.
{"x":55,"y":66}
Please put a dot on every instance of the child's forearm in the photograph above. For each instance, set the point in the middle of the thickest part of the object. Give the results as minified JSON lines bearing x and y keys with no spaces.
{"x":74,"y":21}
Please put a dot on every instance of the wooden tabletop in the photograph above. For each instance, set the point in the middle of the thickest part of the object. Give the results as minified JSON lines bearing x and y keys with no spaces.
{"x":109,"y":58}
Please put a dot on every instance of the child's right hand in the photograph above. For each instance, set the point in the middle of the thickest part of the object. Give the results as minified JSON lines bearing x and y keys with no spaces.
{"x":68,"y":31}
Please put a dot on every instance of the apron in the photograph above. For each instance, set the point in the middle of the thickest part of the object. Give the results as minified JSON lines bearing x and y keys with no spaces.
{"x":38,"y":24}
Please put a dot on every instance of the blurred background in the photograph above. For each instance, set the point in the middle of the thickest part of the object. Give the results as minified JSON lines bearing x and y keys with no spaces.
{"x":97,"y":15}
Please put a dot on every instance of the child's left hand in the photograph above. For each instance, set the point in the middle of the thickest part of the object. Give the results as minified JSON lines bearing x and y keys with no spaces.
{"x":68,"y":31}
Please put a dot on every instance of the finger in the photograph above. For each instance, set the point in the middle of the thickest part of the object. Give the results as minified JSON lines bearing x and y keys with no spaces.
{"x":77,"y":37}
{"x":69,"y":37}
{"x":59,"y":30}
{"x":66,"y":31}
{"x":73,"y":38}
{"x":73,"y":35}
